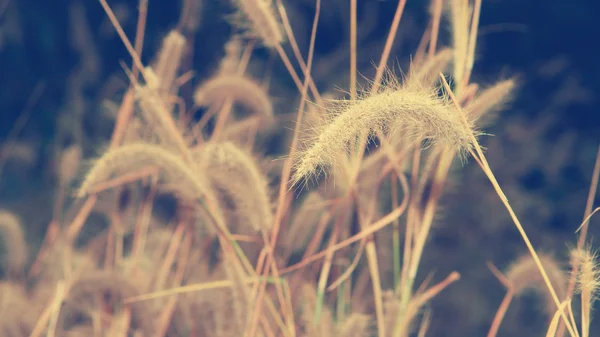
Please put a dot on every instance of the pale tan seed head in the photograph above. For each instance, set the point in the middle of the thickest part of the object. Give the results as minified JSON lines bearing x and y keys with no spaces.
{"x":167,"y":64}
{"x":176,"y":175}
{"x":410,"y":111}
{"x":588,"y":278}
{"x":241,"y":89}
{"x":234,"y":172}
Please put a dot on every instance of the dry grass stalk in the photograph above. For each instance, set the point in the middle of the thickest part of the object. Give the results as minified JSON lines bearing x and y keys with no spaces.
{"x":131,"y":157}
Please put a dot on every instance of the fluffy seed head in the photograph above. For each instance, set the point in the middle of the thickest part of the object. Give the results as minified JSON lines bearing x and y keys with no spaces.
{"x":235,"y":172}
{"x":414,"y":112}
{"x":169,"y":59}
{"x":588,"y":279}
{"x":176,"y":175}
{"x":260,"y":21}
{"x":241,"y":89}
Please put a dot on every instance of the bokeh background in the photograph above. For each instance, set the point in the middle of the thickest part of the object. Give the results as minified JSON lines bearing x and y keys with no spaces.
{"x":61,"y":76}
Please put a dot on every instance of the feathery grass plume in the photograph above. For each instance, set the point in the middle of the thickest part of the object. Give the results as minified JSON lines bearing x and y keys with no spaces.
{"x":16,"y":250}
{"x":355,"y":325}
{"x":240,"y":88}
{"x":417,"y":113}
{"x":109,"y":285}
{"x":588,"y":283}
{"x":490,"y":100}
{"x":258,"y":18}
{"x":523,"y":275}
{"x":235,"y":172}
{"x":177,"y":176}
{"x":169,"y":59}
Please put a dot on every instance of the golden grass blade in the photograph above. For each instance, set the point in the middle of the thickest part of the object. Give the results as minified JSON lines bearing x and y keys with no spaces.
{"x":554,"y":323}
